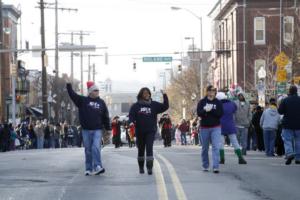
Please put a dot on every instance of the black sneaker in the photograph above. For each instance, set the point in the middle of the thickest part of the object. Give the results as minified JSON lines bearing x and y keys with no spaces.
{"x":242,"y":161}
{"x":289,"y":160}
{"x":222,"y":161}
{"x":216,"y":171}
{"x":149,"y":171}
{"x":297,"y":162}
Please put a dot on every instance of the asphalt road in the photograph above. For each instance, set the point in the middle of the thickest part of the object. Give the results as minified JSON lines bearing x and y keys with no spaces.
{"x":59,"y":174}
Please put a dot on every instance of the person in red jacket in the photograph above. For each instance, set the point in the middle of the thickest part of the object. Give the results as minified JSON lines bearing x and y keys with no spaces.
{"x":116,"y":131}
{"x":184,"y":128}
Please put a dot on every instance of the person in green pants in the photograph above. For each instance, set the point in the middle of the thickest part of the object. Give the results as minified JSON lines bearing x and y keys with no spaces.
{"x":228,"y":128}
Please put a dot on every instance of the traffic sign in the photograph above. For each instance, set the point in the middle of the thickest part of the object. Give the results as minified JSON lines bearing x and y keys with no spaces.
{"x":281,"y":60}
{"x":281,"y":88}
{"x":157,"y":59}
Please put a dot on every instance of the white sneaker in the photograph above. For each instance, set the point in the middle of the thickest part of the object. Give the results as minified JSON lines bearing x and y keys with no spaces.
{"x":87,"y":173}
{"x":205,"y":169}
{"x":99,"y":170}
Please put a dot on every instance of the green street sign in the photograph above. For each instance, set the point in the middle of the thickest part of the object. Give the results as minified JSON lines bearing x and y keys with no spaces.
{"x":281,"y":88}
{"x":157,"y":59}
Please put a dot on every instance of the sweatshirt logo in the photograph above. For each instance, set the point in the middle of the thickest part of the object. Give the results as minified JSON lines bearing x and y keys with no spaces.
{"x":145,"y":110}
{"x":94,"y":105}
{"x":213,"y":106}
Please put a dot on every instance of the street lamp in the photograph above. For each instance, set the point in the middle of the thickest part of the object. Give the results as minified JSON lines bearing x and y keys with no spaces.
{"x":201,"y":45}
{"x":261,"y":86}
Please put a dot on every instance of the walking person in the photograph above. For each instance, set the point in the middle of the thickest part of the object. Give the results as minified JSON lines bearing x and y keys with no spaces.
{"x":242,"y":119}
{"x":143,"y":114}
{"x":116,"y":131}
{"x":228,"y":128}
{"x":184,"y":129}
{"x":166,"y":126}
{"x":290,"y":109}
{"x":269,"y":122}
{"x":93,"y":117}
{"x":210,"y":110}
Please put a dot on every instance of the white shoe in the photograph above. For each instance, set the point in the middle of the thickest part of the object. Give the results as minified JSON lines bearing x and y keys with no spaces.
{"x":87,"y":173}
{"x":99,"y":170}
{"x":205,"y":169}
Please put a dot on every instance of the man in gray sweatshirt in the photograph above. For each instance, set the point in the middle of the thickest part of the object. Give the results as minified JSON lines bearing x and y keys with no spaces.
{"x":269,"y":122}
{"x":242,"y":119}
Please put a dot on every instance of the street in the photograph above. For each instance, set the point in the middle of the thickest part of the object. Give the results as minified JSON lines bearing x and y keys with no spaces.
{"x":59,"y":174}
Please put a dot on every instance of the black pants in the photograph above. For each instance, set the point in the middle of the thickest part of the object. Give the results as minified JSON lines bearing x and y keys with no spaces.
{"x":166,"y":135}
{"x":259,"y":139}
{"x":145,"y":142}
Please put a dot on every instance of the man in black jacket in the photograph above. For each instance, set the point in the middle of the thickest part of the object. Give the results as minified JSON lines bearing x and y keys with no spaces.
{"x":93,"y":117}
{"x":290,"y":109}
{"x":210,"y":110}
{"x":144,"y":115}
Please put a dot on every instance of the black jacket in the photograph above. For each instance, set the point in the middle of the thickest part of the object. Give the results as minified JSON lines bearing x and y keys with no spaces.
{"x":145,"y":115}
{"x":290,"y":109}
{"x":93,"y":113}
{"x":212,"y":118}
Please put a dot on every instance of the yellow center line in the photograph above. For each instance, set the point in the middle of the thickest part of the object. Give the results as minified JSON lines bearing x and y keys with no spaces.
{"x":160,"y":182}
{"x":175,"y":180}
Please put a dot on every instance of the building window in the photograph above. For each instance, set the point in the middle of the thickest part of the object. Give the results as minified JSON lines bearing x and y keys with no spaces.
{"x":257,"y":65}
{"x":288,"y":30}
{"x":259,"y":30}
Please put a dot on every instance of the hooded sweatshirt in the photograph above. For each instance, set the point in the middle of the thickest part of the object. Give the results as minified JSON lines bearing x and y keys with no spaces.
{"x":93,"y":113}
{"x":144,"y":114}
{"x":227,"y":120}
{"x":212,"y":118}
{"x":270,"y":119}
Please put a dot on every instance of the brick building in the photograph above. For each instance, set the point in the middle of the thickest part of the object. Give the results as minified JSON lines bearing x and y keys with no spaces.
{"x":10,"y":16}
{"x":247,"y":37}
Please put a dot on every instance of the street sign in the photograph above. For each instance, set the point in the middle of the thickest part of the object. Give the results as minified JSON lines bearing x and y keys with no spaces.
{"x":281,"y":75}
{"x":281,"y":88}
{"x":281,"y":60}
{"x":157,"y":59}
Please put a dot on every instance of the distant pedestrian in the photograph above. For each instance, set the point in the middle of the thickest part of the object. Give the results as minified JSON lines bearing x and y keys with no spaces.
{"x":5,"y":138}
{"x":93,"y":117}
{"x":258,"y":128}
{"x":116,"y":131}
{"x":269,"y":122}
{"x":228,"y":128}
{"x":290,"y":109}
{"x":144,"y":115}
{"x":184,"y":129}
{"x":210,"y":110}
{"x":166,"y":127}
{"x":39,"y":131}
{"x":242,"y":119}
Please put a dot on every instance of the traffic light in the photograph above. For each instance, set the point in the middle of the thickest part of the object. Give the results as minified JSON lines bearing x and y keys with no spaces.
{"x":179,"y":68}
{"x":134,"y":66}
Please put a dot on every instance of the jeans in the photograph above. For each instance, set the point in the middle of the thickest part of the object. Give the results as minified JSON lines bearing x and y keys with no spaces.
{"x":40,"y":142}
{"x":291,"y":139}
{"x":233,"y":141}
{"x":92,"y":148}
{"x":213,"y":135}
{"x":269,"y":141}
{"x":183,"y":138}
{"x":242,"y":135}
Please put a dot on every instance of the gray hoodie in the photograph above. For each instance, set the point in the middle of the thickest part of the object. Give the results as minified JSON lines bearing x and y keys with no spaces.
{"x":270,"y":119}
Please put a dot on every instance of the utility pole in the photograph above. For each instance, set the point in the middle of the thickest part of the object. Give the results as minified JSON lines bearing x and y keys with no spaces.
{"x":94,"y":72}
{"x":2,"y":95}
{"x":81,"y":64}
{"x":44,"y":70}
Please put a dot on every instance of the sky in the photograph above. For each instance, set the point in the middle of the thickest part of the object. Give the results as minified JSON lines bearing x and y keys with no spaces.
{"x":131,"y":29}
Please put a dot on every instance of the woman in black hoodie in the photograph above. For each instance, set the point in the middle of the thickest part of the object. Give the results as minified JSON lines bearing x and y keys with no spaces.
{"x":144,"y":115}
